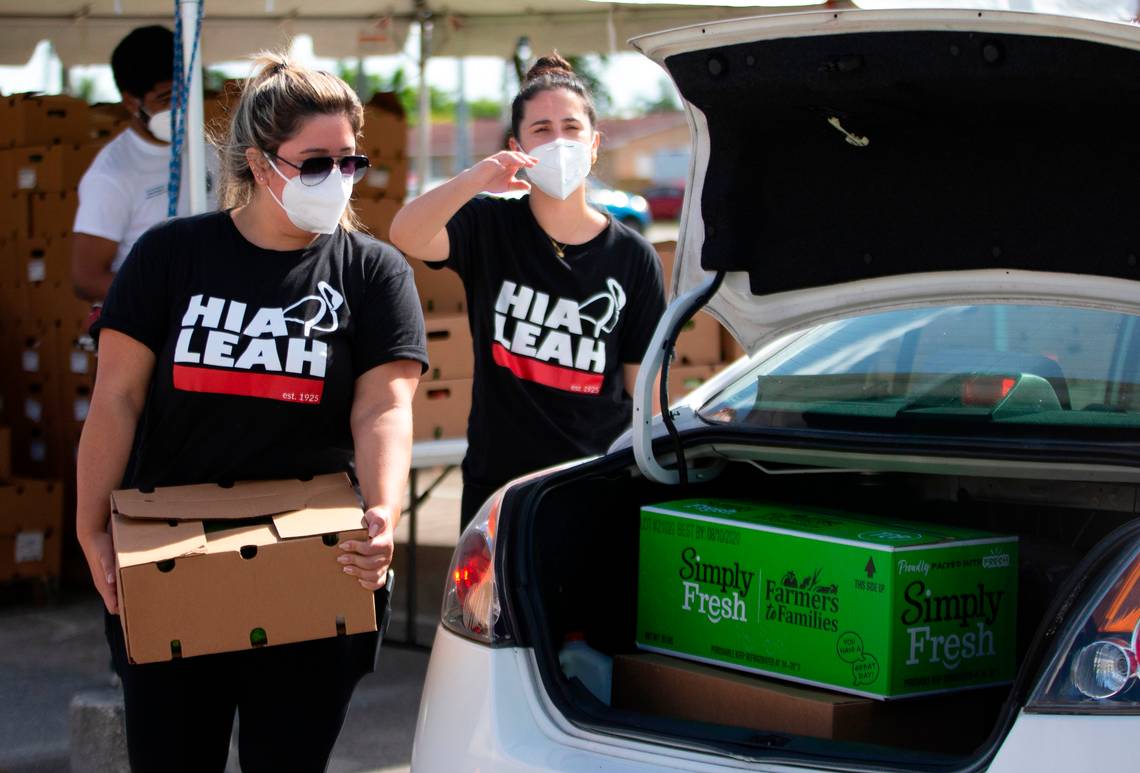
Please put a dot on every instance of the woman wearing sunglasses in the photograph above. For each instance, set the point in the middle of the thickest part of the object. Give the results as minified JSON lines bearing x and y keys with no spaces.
{"x":268,"y":340}
{"x":562,"y":299}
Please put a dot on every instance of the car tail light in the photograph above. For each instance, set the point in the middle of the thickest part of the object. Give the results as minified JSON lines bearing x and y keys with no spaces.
{"x":1104,"y":668}
{"x":470,"y":598}
{"x":1095,"y":666}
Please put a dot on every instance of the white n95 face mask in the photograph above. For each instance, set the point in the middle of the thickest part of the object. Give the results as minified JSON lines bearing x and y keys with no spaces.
{"x":314,"y":208}
{"x":562,"y":167}
{"x":159,"y":126}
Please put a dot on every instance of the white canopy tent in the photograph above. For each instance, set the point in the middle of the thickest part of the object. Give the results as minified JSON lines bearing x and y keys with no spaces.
{"x":86,"y":31}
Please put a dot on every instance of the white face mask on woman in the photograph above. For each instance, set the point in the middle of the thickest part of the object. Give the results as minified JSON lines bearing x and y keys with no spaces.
{"x":314,"y":208}
{"x":562,"y":167}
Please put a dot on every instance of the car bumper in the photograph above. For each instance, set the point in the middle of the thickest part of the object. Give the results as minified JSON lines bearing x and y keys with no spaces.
{"x":483,"y":709}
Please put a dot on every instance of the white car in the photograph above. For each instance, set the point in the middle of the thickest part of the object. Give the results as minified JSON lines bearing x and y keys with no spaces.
{"x":924,"y":227}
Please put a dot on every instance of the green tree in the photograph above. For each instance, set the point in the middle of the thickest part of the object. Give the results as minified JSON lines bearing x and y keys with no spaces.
{"x":666,"y":100}
{"x":588,"y":68}
{"x":214,"y":80}
{"x":485,"y":108}
{"x":84,"y":88}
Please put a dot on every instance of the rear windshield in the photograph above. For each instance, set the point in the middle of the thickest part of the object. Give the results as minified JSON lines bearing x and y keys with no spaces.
{"x":985,"y":366}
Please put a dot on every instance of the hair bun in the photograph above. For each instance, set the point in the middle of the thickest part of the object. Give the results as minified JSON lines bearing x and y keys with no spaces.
{"x":552,"y":64}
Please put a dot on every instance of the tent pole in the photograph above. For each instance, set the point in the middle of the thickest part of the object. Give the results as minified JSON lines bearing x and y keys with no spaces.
{"x":462,"y":121}
{"x":195,"y":140}
{"x":423,"y":160}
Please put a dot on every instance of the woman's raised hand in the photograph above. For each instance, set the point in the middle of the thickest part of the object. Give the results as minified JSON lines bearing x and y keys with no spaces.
{"x":497,"y":172}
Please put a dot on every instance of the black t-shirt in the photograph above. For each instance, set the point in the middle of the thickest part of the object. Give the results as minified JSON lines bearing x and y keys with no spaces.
{"x":551,"y":336}
{"x":256,"y":351}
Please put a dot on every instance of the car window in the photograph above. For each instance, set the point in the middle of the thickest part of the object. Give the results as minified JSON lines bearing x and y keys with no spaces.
{"x":993,"y":365}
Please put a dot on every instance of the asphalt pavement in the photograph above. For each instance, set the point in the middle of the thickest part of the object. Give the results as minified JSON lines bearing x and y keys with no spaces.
{"x":49,"y":652}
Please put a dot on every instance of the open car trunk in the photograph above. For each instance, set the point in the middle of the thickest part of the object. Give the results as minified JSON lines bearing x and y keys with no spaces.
{"x":871,"y":146}
{"x":571,"y":564}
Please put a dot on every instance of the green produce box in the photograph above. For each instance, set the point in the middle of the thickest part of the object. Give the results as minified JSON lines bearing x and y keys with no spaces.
{"x":867,"y":606}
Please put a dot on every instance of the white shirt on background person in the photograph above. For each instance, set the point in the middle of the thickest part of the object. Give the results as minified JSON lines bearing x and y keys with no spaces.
{"x":123,"y":192}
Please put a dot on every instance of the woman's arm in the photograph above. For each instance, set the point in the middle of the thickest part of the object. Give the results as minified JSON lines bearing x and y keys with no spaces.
{"x":121,"y":381}
{"x":419,"y":230}
{"x":382,"y":435}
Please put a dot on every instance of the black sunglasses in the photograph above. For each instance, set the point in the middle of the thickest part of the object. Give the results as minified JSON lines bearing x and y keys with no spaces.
{"x":315,"y":170}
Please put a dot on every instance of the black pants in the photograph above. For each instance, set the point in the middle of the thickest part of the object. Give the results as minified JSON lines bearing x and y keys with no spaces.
{"x":291,"y":699}
{"x":474,"y":495}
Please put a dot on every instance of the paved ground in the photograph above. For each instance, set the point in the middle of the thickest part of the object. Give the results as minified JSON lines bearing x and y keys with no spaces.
{"x":48,"y":653}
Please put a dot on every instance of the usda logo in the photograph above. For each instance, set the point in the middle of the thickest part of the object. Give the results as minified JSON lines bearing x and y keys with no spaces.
{"x":890,"y":535}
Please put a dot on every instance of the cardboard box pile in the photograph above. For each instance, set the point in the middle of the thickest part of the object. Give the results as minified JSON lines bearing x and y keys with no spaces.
{"x":703,"y":347}
{"x":46,"y":145}
{"x":443,"y":399}
{"x":863,"y":605}
{"x":207,"y":568}
{"x":380,"y":194}
{"x":31,"y":515}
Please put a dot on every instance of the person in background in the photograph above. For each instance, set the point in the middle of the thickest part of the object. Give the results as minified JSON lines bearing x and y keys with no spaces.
{"x":562,"y":299}
{"x":124,"y":192}
{"x":271,"y":340}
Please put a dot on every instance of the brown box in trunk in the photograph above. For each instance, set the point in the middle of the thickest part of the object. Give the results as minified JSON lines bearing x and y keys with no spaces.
{"x":679,"y":689}
{"x":207,"y":568}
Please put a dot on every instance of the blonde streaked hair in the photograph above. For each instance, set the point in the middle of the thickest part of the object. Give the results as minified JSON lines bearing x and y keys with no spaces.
{"x":274,"y":102}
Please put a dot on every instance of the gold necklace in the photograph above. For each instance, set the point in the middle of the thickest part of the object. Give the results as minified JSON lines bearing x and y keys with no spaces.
{"x":559,"y":249}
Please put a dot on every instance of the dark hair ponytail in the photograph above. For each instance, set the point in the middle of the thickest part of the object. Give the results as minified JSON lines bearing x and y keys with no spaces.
{"x":548,"y":73}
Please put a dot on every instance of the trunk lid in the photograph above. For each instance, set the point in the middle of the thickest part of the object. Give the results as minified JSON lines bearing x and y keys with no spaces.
{"x":910,"y":157}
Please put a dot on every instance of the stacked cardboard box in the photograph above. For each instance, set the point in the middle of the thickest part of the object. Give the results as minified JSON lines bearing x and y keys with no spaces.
{"x":703,"y":348}
{"x":443,"y":399}
{"x":31,"y":529}
{"x":46,"y":144}
{"x":380,"y":194}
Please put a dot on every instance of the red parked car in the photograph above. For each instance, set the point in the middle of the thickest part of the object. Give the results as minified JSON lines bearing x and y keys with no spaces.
{"x":665,"y":201}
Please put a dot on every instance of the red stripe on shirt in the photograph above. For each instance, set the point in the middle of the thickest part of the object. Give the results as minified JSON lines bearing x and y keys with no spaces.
{"x":567,"y":379}
{"x":266,"y":385}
